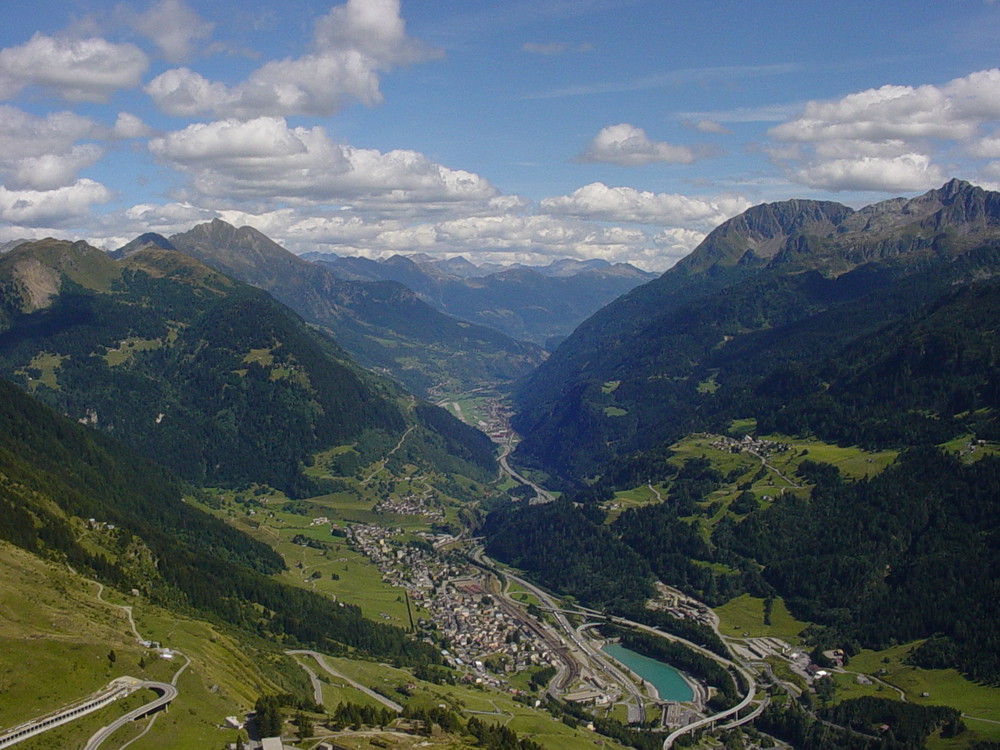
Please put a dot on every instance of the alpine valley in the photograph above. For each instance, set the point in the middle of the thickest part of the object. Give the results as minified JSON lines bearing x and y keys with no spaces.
{"x":407,"y":503}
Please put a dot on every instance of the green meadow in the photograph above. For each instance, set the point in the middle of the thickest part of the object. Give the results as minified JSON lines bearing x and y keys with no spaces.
{"x":56,"y":644}
{"x":743,"y":617}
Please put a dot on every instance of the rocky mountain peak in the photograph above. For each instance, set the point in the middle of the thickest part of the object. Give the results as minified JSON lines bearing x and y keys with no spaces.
{"x":832,"y":237}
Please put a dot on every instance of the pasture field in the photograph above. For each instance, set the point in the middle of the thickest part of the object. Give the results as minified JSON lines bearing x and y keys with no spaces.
{"x":745,"y":615}
{"x":979,"y":704}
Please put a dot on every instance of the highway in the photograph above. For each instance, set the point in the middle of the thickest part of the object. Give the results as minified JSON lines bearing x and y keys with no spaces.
{"x":608,"y":666}
{"x":744,"y":672}
{"x":601,"y":663}
{"x":585,"y":657}
{"x":118,"y":688}
{"x":167,"y":693}
{"x":635,"y":712}
{"x":541,"y":495}
{"x":356,"y":685}
{"x":317,"y":686}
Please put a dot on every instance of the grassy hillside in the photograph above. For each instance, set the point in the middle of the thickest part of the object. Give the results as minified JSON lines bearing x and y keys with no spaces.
{"x":57,"y":474}
{"x":58,"y":630}
{"x":891,"y":548}
{"x":61,"y":637}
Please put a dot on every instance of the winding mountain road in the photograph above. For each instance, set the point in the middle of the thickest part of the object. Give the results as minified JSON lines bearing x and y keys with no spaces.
{"x":166,"y":692}
{"x":356,"y":685}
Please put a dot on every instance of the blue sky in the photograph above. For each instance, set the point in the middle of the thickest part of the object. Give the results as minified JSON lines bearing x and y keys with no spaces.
{"x":502,"y":131}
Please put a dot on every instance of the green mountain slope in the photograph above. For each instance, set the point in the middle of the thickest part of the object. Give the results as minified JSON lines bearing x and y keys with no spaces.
{"x":211,"y":377}
{"x":781,"y":288}
{"x":57,"y":474}
{"x":383,"y":325}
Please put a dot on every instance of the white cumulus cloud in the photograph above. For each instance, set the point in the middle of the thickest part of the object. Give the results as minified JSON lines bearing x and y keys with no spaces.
{"x":43,"y":153}
{"x":629,"y":146}
{"x":904,"y":173}
{"x":599,"y":202}
{"x":707,"y":125}
{"x":266,"y":160}
{"x":128,"y":126}
{"x":505,"y":228}
{"x":878,"y":114}
{"x":24,"y":135}
{"x":184,"y":93}
{"x":76,"y":69}
{"x":676,"y":242}
{"x":51,"y":171}
{"x":32,"y":208}
{"x":352,"y":46}
{"x":173,"y":27}
{"x":889,"y":138}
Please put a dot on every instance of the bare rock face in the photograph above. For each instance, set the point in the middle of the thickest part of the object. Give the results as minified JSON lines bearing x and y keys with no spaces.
{"x":36,"y":283}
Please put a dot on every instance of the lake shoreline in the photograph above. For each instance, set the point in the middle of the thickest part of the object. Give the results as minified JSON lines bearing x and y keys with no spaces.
{"x":667,"y":682}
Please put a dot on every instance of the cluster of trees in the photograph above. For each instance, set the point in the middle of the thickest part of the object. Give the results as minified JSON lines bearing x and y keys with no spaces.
{"x":573,"y":714}
{"x":690,"y":630}
{"x":542,"y":677}
{"x":907,"y":554}
{"x":569,"y":551}
{"x":866,"y":723}
{"x":498,"y":737}
{"x":919,"y":381}
{"x":676,"y":551}
{"x":909,"y":724}
{"x":487,"y":735}
{"x":357,"y":715}
{"x":269,"y":717}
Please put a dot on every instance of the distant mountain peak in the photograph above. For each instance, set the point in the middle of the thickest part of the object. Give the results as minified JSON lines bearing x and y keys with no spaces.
{"x":244,"y":252}
{"x":759,"y":233}
{"x":148,"y":239}
{"x":955,"y":186}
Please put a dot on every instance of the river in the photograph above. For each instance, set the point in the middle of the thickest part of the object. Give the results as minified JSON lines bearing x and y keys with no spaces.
{"x":667,"y":680}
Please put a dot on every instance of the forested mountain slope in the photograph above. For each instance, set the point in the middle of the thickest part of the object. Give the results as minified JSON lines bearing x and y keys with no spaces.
{"x":769,"y":308}
{"x":206,"y":375}
{"x":875,"y":329}
{"x":383,"y":325}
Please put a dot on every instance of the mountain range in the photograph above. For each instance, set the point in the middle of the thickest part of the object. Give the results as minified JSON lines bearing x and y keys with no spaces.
{"x":540,"y":304}
{"x":383,"y":325}
{"x":872,"y":331}
{"x":211,"y":377}
{"x":158,"y":401}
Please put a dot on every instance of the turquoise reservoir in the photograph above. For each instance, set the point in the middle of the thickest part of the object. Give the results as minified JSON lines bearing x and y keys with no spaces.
{"x":667,"y":680}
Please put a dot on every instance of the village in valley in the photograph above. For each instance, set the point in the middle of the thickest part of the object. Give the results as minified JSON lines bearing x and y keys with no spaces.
{"x":477,"y":635}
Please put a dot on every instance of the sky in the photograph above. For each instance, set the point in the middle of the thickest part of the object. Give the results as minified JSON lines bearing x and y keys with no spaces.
{"x":500,"y":130}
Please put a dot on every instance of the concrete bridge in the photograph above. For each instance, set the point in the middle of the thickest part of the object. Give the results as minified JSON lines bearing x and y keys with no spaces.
{"x":118,"y":688}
